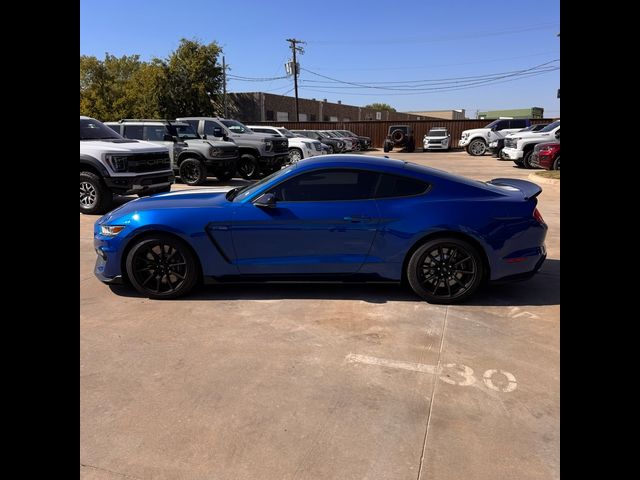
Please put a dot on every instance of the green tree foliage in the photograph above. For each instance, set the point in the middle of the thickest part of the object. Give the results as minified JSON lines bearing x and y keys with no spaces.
{"x":127,"y":87}
{"x":380,"y":106}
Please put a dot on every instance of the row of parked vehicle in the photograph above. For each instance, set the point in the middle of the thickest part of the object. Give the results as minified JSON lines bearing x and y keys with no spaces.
{"x":527,"y":145}
{"x":143,"y":156}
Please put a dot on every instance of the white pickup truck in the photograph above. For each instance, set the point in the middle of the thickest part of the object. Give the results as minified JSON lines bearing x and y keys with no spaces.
{"x":299,"y":147}
{"x":476,"y":141}
{"x":519,"y":146}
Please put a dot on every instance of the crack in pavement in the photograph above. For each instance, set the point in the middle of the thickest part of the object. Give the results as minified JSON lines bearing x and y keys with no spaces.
{"x":109,"y":471}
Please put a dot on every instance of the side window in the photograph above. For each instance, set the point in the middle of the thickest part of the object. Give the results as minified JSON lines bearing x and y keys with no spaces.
{"x":133,"y":131}
{"x":520,"y":123}
{"x":155,"y":133}
{"x":327,"y":185}
{"x":208,"y":128}
{"x":194,"y":124}
{"x":395,"y":186}
{"x":502,"y":124}
{"x":115,"y":128}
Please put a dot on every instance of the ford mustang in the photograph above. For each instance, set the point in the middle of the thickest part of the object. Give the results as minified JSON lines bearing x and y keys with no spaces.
{"x":329,"y":218}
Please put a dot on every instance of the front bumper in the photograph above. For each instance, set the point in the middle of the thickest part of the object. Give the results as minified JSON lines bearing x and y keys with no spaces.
{"x":139,"y":183}
{"x":512,"y":153}
{"x":463,"y":142}
{"x":221,"y":163}
{"x":435,"y":146}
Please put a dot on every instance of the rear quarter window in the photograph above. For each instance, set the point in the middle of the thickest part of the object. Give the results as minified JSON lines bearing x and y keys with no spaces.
{"x":396,"y":186}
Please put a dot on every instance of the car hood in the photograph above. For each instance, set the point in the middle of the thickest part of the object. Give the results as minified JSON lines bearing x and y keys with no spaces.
{"x":119,"y":146}
{"x":436,"y":138}
{"x":476,"y":130}
{"x":527,"y":135}
{"x":193,"y":198}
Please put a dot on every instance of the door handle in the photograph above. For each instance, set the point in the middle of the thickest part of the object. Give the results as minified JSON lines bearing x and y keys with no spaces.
{"x":357,"y":219}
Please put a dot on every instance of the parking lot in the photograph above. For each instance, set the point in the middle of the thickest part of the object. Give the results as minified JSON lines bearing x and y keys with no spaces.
{"x":324,"y":381}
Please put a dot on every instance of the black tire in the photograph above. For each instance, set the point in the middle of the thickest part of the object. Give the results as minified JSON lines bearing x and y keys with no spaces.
{"x":331,"y":149}
{"x":411,"y":146}
{"x":95,"y":197}
{"x":477,"y":147}
{"x":519,"y":163}
{"x":499,"y":154}
{"x":386,"y":147}
{"x":398,"y":136}
{"x":248,"y":167}
{"x":225,"y":176}
{"x":295,"y":155}
{"x":556,"y":164}
{"x":193,"y":172}
{"x":162,"y":267}
{"x":153,"y":192}
{"x":435,"y":273}
{"x":526,"y":159}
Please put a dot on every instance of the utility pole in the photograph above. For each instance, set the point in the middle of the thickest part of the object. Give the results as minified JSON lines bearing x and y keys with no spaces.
{"x":295,"y":49}
{"x":224,"y":87}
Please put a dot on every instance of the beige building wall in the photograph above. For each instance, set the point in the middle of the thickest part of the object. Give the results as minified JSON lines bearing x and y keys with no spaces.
{"x":444,"y":114}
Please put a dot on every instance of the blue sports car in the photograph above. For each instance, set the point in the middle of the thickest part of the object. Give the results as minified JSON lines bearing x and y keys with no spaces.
{"x":347,"y":218}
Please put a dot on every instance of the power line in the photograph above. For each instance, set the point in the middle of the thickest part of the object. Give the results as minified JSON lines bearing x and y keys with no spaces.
{"x":255,"y":79}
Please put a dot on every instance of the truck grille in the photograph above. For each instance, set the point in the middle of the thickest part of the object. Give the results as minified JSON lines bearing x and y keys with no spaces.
{"x":280,"y":146}
{"x":435,"y":142}
{"x":510,"y":142}
{"x":148,"y":162}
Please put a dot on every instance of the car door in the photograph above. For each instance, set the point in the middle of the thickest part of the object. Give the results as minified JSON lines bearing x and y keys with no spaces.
{"x":324,"y":222}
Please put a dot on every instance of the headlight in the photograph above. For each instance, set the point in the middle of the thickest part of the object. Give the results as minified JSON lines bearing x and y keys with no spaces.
{"x":215,"y":152}
{"x":111,"y":230}
{"x":465,"y":135}
{"x":117,"y":162}
{"x":268,"y":145}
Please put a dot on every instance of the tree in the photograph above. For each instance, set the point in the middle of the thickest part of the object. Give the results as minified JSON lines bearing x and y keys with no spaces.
{"x":192,"y":77}
{"x":380,"y":106}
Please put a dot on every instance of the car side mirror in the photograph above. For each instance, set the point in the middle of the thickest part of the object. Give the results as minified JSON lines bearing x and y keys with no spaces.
{"x":169,"y":138}
{"x":267,"y":200}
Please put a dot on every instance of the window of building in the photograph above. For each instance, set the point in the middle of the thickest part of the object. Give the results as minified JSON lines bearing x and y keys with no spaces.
{"x":304,"y":117}
{"x":378,"y":115}
{"x":333,"y":119}
{"x":282,"y":116}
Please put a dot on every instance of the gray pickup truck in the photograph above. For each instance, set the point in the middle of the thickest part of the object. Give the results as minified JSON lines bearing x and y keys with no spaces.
{"x":259,"y":153}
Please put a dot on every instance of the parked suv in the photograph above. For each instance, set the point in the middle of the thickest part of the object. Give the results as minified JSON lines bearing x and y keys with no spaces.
{"x":546,"y":155}
{"x":335,"y":145}
{"x":111,"y":164}
{"x":476,"y":141}
{"x":259,"y":153}
{"x":299,"y":147}
{"x":400,"y":136}
{"x":519,"y":146}
{"x":365,"y":142}
{"x":438,"y":138}
{"x":192,"y":157}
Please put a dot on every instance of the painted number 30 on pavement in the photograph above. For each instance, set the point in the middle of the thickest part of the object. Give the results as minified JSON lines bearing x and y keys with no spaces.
{"x":462,"y":376}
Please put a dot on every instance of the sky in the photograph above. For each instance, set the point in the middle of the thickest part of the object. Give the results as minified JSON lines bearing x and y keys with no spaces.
{"x":414,"y":55}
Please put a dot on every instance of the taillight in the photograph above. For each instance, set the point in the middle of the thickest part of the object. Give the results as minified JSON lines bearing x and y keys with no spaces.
{"x":538,"y":216}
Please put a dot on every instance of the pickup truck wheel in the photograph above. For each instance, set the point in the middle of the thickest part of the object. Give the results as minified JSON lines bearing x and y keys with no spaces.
{"x":193,"y":172}
{"x":556,"y":164}
{"x":331,"y":150}
{"x":519,"y":163}
{"x":295,"y":155}
{"x":477,"y":147}
{"x":526,"y":160}
{"x":248,"y":167}
{"x":95,"y":197}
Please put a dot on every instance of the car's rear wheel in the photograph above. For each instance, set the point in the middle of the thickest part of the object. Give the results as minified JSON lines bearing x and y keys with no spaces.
{"x":95,"y":197}
{"x":445,"y":270}
{"x":193,"y":172}
{"x":248,"y":167}
{"x":519,"y":163}
{"x":161,"y":267}
{"x":477,"y":147}
{"x":556,"y":164}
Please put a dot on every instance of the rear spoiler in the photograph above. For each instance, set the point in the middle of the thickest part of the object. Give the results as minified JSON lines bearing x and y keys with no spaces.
{"x":528,"y":189}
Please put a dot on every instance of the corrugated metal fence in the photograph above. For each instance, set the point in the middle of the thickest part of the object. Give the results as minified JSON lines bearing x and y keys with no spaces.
{"x":377,"y":130}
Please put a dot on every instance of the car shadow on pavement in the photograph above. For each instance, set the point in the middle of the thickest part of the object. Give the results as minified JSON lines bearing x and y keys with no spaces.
{"x":542,"y":289}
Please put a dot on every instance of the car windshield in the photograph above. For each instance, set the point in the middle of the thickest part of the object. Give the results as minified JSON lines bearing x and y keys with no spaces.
{"x":240,"y":193}
{"x":492,"y":124}
{"x":551,"y":126}
{"x":183,"y":132}
{"x":91,"y":129}
{"x":236,"y":127}
{"x":332,"y":135}
{"x":437,"y":133}
{"x":286,"y":133}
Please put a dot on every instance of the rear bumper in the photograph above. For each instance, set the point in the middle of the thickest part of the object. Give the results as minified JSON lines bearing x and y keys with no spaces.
{"x":526,"y":275}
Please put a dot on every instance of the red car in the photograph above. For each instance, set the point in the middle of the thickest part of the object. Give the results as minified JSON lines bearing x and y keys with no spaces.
{"x":547,"y":156}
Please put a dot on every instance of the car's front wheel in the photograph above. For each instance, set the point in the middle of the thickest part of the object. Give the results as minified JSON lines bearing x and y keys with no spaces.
{"x":445,"y":270}
{"x":95,"y":197}
{"x":556,"y":164}
{"x":248,"y":167}
{"x":295,"y":155}
{"x":526,"y":159}
{"x":161,"y":266}
{"x":193,"y":172}
{"x":477,"y":147}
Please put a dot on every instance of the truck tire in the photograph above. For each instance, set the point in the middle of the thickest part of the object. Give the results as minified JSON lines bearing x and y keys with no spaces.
{"x":411,"y":145}
{"x":225,"y":176}
{"x":193,"y":172}
{"x":248,"y":167}
{"x":397,"y":136}
{"x":526,"y":159}
{"x":95,"y":197}
{"x":556,"y":164}
{"x":477,"y":147}
{"x":386,"y":147}
{"x":295,"y":155}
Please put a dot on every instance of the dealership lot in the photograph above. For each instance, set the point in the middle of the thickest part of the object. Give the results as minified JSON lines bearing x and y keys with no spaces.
{"x":324,"y":381}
